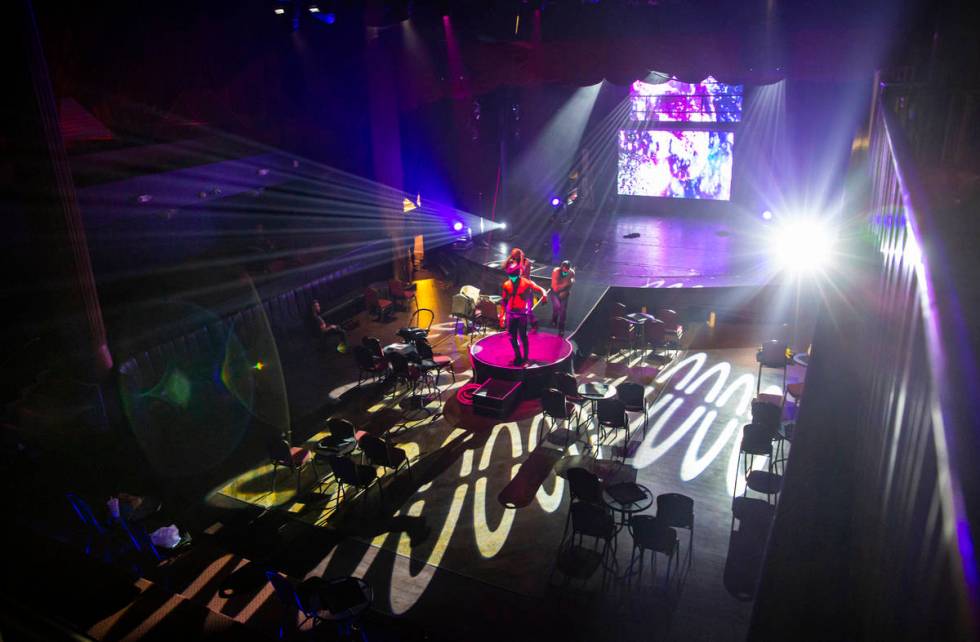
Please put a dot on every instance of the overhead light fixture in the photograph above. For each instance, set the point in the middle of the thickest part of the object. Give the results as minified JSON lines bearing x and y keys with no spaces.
{"x":142,"y":199}
{"x":279,"y":11}
{"x":458,"y":226}
{"x":314,"y":9}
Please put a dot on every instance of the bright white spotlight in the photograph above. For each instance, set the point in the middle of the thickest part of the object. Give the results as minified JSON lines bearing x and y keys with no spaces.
{"x":767,"y":215}
{"x":279,"y":11}
{"x":314,"y":9}
{"x":555,"y":202}
{"x":503,"y":225}
{"x":457,"y":226}
{"x":803,"y":245}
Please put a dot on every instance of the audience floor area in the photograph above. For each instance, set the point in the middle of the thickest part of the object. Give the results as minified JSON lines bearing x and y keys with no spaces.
{"x":463,"y":543}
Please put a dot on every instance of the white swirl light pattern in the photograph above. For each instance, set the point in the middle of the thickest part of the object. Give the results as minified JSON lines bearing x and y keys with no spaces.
{"x":681,"y":399}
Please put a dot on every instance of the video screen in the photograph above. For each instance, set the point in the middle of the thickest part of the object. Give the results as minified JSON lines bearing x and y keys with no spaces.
{"x":675,"y":164}
{"x":673,"y":101}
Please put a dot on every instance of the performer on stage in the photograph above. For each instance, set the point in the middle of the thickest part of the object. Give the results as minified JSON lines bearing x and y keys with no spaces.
{"x":518,"y":301}
{"x":562,"y":280}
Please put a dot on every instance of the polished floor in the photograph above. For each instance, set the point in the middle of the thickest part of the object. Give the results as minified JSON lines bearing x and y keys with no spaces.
{"x":647,"y":251}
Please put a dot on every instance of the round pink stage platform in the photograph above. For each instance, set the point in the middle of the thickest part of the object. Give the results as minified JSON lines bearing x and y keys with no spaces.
{"x":493,"y":356}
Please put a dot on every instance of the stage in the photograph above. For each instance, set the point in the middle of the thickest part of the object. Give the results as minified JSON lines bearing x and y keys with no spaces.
{"x":493,"y":356}
{"x":669,"y":251}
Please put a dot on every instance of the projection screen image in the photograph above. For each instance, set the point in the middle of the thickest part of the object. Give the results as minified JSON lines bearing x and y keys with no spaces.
{"x":673,"y":101}
{"x":675,"y":164}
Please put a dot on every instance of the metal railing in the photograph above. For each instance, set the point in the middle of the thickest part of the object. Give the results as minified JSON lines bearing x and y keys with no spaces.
{"x":918,"y":429}
{"x":875,"y":532}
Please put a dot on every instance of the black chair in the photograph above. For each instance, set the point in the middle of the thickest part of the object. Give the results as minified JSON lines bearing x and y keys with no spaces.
{"x":292,"y":458}
{"x":584,"y":486}
{"x":772,"y":354}
{"x":655,"y":338}
{"x":558,"y":409}
{"x":621,"y":333}
{"x":634,"y":398}
{"x":757,"y":442}
{"x":368,"y":367}
{"x":651,"y":534}
{"x":430,"y":361}
{"x":673,"y":330}
{"x":408,"y":373}
{"x":611,"y":415}
{"x":373,"y":344}
{"x":593,"y":520}
{"x":348,"y":473}
{"x":292,"y":604}
{"x":418,"y":325}
{"x":380,"y":453}
{"x":342,"y":439}
{"x":677,"y":511}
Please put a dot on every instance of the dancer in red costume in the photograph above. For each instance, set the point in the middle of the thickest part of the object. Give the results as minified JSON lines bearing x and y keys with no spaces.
{"x":518,"y":301}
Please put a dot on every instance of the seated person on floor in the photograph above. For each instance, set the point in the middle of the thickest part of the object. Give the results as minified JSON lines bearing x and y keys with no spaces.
{"x":328,"y":332}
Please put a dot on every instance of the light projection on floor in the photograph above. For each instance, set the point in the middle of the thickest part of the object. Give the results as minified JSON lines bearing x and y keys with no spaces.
{"x":703,"y":400}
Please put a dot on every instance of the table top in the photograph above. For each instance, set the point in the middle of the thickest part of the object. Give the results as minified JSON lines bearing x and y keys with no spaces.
{"x":610,"y":471}
{"x":642,"y":317}
{"x":401,"y":348}
{"x":339,"y":598}
{"x":596,"y":390}
{"x":636,"y":506}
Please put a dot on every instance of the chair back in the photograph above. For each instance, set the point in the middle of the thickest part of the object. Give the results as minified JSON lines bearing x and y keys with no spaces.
{"x":363,"y":358}
{"x":674,"y":509}
{"x":584,"y":485}
{"x":84,"y":512}
{"x":396,"y":288}
{"x":371,"y":299}
{"x":619,"y":328}
{"x":653,"y":535}
{"x":611,"y":412}
{"x":416,"y":319}
{"x":399,"y":365}
{"x":669,"y":317}
{"x":553,"y":403}
{"x":284,"y":590}
{"x":654,"y":334}
{"x":631,"y":394}
{"x":373,"y":344}
{"x":375,"y":449}
{"x":567,"y":383}
{"x":341,"y":428}
{"x":424,"y":348}
{"x":344,"y":469}
{"x":487,"y":308}
{"x":280,"y":452}
{"x":471,"y":292}
{"x":772,"y":354}
{"x":462,"y":305}
{"x":757,"y":440}
{"x":592,"y":520}
{"x":766,"y":414}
